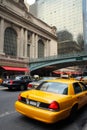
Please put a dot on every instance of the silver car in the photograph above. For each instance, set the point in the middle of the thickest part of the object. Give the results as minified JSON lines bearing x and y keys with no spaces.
{"x":34,"y":84}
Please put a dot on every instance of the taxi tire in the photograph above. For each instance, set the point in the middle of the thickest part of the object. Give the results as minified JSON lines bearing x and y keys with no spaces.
{"x":73,"y":112}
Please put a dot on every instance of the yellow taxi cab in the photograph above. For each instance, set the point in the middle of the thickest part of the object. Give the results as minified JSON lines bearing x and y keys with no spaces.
{"x":52,"y":100}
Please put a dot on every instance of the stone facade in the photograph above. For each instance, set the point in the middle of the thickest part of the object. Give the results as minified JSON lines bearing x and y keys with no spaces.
{"x":30,"y":32}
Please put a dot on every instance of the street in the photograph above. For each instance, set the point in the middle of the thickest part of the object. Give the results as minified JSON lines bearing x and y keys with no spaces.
{"x":11,"y":120}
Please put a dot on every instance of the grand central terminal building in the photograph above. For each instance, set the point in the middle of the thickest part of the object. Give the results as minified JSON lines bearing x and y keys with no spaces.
{"x":22,"y":37}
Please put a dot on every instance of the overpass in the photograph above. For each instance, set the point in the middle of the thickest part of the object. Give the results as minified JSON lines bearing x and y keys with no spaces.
{"x":57,"y":62}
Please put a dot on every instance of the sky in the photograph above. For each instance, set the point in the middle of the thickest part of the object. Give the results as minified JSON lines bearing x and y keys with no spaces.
{"x":30,"y":1}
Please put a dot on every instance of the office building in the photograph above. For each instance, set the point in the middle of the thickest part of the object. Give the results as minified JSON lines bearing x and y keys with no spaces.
{"x":69,"y":16}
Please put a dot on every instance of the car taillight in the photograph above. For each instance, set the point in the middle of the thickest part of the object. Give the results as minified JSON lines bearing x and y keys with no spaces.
{"x":11,"y":82}
{"x":19,"y":97}
{"x":30,"y":85}
{"x":54,"y":105}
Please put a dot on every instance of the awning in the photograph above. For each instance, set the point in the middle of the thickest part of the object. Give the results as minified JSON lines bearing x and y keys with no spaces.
{"x":15,"y":69}
{"x":67,"y":72}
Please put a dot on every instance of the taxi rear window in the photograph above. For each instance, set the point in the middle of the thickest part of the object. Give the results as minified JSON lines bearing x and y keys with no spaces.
{"x":54,"y":87}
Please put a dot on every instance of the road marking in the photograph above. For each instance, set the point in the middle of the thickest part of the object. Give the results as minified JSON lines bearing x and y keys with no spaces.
{"x":7,"y":113}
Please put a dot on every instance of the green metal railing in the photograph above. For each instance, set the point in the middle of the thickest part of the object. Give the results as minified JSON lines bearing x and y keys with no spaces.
{"x":63,"y":56}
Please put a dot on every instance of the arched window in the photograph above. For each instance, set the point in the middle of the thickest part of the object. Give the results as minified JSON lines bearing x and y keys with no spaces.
{"x":10,"y":42}
{"x":40,"y":49}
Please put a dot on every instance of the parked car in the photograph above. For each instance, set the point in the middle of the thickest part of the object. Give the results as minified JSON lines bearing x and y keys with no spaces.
{"x":19,"y":82}
{"x":84,"y":79}
{"x":52,"y":100}
{"x":79,"y":78}
{"x":35,"y":83}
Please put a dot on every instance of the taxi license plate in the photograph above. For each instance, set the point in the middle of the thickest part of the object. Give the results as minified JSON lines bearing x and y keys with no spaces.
{"x":33,"y":103}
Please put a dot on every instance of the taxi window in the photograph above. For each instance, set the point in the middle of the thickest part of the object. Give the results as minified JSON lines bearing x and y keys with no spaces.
{"x":77,"y":88}
{"x":84,"y":87}
{"x":55,"y":87}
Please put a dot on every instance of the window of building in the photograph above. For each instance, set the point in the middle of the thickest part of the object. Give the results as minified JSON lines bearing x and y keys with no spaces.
{"x":40,"y":49}
{"x":10,"y":42}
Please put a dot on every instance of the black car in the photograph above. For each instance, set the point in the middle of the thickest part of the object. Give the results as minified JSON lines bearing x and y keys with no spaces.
{"x":20,"y":82}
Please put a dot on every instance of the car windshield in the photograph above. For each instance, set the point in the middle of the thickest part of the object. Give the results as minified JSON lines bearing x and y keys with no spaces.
{"x":55,"y":87}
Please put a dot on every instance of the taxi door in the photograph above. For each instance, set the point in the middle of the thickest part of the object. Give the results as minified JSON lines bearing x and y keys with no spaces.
{"x":80,"y":95}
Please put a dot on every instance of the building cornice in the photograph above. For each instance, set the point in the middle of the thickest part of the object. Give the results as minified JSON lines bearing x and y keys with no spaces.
{"x":8,"y":14}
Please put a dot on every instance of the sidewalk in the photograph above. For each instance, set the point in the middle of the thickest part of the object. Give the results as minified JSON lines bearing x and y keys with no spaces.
{"x":2,"y":87}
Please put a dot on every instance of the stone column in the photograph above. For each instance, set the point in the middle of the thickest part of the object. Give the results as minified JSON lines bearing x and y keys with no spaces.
{"x":18,"y":45}
{"x":48,"y":48}
{"x":21,"y":42}
{"x":25,"y":43}
{"x":45,"y":48}
{"x":32,"y":46}
{"x":2,"y":36}
{"x":36,"y":46}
